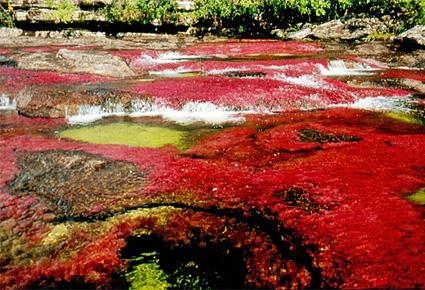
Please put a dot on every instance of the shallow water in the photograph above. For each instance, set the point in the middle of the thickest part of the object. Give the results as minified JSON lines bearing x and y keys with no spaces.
{"x":131,"y":134}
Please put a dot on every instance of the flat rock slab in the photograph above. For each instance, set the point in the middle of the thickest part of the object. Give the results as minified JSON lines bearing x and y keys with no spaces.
{"x":74,"y":183}
{"x":75,"y":61}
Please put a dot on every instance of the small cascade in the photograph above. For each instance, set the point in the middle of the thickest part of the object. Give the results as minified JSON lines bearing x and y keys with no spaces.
{"x":397,"y":104}
{"x":190,"y":112}
{"x":309,"y":81}
{"x":7,"y":103}
{"x":146,"y":60}
{"x":339,"y":68}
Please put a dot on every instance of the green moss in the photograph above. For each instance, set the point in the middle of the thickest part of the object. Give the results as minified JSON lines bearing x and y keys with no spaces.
{"x":147,"y":275}
{"x":131,"y":134}
{"x":403,"y":117}
{"x":418,"y":197}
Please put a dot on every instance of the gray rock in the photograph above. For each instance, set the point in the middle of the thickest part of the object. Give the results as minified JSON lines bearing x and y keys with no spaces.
{"x":6,"y":32}
{"x":301,"y":34}
{"x":351,"y":29}
{"x":39,"y":61}
{"x":357,"y":28}
{"x":329,"y":30}
{"x":101,"y":64}
{"x":75,"y":62}
{"x":414,"y":37}
{"x":278,"y":33}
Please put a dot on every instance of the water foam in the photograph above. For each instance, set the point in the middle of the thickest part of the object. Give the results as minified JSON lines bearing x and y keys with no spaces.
{"x":339,"y":68}
{"x":394,"y":103}
{"x":7,"y":103}
{"x":171,"y":73}
{"x":191,"y":112}
{"x":309,"y":81}
{"x":164,"y":58}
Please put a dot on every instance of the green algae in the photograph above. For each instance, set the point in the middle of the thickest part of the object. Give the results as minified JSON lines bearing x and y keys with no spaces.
{"x":418,"y":197}
{"x":126,"y":133}
{"x":403,"y":117}
{"x":148,"y":274}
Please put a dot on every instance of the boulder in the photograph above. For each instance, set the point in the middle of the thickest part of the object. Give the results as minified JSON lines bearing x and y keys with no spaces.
{"x":413,"y":38}
{"x":351,"y":29}
{"x":73,"y":61}
{"x":6,"y":32}
{"x":60,"y":101}
{"x":357,"y":28}
{"x":329,"y":30}
{"x":301,"y":34}
{"x":94,"y":63}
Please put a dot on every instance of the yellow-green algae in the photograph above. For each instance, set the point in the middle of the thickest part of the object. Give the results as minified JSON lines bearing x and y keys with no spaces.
{"x":418,"y":197}
{"x":126,"y":133}
{"x":403,"y":117}
{"x":147,"y":275}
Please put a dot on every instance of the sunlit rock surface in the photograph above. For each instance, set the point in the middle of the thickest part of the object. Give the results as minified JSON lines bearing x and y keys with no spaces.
{"x":226,"y":164}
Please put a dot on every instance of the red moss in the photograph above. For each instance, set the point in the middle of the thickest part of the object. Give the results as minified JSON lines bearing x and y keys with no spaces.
{"x":258,"y":93}
{"x":404,"y":74}
{"x":14,"y":79}
{"x":5,"y":51}
{"x":253,"y":47}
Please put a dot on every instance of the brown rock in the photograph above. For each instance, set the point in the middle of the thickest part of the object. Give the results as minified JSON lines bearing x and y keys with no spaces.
{"x":58,"y":101}
{"x":74,"y":183}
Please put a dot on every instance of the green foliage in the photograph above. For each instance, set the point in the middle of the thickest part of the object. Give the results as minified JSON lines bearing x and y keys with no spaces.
{"x":6,"y":15}
{"x":141,"y":11}
{"x":62,"y":10}
{"x":254,"y":15}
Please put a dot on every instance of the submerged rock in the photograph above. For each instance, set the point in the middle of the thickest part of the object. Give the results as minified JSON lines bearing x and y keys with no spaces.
{"x":74,"y":183}
{"x":60,"y":101}
{"x":130,"y":134}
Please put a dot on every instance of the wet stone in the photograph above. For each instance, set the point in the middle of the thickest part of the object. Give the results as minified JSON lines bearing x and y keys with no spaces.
{"x":72,"y":183}
{"x":300,"y":198}
{"x":312,"y":135}
{"x":243,"y":74}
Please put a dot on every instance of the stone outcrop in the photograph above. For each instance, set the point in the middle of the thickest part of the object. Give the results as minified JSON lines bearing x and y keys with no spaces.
{"x":351,"y":29}
{"x":57,"y":102}
{"x":66,"y":60}
{"x":71,"y":183}
{"x":414,"y":37}
{"x":6,"y":32}
{"x":75,"y":11}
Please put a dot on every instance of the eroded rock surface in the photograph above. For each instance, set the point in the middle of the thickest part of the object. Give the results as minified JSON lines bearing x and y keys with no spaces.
{"x":66,"y":60}
{"x":351,"y":29}
{"x":74,"y":183}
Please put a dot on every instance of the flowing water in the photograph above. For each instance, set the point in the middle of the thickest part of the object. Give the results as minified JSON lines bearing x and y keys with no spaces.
{"x":232,"y":164}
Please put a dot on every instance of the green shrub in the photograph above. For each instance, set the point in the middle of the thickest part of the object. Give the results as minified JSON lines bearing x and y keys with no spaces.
{"x":254,"y":15}
{"x":62,"y":11}
{"x":6,"y":14}
{"x":141,"y":11}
